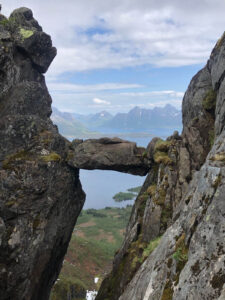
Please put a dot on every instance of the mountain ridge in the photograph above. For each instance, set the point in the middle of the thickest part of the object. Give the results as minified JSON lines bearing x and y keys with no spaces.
{"x":137,"y":119}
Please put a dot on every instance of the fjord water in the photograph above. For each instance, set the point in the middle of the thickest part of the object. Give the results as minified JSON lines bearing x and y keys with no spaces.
{"x":101,"y":186}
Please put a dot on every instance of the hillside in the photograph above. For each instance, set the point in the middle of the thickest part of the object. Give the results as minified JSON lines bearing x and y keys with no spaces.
{"x":96,"y":238}
{"x":68,"y":125}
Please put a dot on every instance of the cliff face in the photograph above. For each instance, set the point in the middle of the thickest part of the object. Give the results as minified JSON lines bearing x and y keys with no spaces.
{"x":174,"y":246}
{"x":40,"y":194}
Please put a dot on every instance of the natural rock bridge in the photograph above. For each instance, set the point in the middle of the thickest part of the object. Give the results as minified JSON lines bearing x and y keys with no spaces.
{"x":109,"y":154}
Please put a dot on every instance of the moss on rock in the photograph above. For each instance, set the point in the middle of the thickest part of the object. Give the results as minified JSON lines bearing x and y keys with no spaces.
{"x":209,"y":102}
{"x":53,"y":156}
{"x":25,"y":34}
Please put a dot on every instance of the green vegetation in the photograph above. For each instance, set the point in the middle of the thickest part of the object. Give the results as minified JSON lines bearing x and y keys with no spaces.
{"x":119,"y":197}
{"x":129,"y":195}
{"x":68,"y":288}
{"x":96,"y":237}
{"x":181,"y":256}
{"x":26,"y":33}
{"x":211,"y":137}
{"x":4,"y":22}
{"x":151,"y":247}
{"x":51,"y":157}
{"x":168,"y":291}
{"x":181,"y":251}
{"x":135,"y":189}
{"x":162,"y":146}
{"x":16,"y":157}
{"x":162,"y":157}
{"x":8,"y":22}
{"x":151,"y":190}
{"x":209,"y":102}
{"x":161,"y":152}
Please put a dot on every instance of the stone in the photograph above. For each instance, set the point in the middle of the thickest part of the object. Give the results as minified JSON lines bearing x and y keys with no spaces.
{"x":109,"y":154}
{"x":36,"y":218}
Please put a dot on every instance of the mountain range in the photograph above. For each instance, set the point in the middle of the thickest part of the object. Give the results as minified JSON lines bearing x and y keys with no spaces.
{"x":136,"y":120}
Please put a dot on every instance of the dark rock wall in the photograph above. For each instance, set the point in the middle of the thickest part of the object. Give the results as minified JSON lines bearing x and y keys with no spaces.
{"x":40,"y":194}
{"x":174,"y":246}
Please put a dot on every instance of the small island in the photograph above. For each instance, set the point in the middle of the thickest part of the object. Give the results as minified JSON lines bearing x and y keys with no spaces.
{"x":129,"y":195}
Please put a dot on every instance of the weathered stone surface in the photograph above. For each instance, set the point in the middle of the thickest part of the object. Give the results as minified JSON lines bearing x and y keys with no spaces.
{"x":36,"y":218}
{"x":181,"y":206}
{"x":109,"y":154}
{"x":198,"y":274}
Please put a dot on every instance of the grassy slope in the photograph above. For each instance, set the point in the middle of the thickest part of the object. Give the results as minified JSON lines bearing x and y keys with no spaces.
{"x":97,"y":235}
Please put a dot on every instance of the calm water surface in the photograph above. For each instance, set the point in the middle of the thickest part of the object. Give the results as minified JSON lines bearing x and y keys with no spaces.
{"x":101,"y":186}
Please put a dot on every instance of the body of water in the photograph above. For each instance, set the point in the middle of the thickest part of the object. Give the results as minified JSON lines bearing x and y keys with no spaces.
{"x":101,"y":186}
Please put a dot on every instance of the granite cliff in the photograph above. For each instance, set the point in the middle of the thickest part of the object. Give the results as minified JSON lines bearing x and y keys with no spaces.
{"x":174,"y":246}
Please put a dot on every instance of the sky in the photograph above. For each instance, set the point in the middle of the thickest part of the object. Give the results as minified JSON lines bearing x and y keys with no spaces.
{"x":117,"y":54}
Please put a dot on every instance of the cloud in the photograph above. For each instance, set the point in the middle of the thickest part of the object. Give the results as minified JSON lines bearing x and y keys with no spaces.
{"x":56,"y":87}
{"x":96,"y":34}
{"x":115,"y":102}
{"x":100,"y":101}
{"x":151,"y":94}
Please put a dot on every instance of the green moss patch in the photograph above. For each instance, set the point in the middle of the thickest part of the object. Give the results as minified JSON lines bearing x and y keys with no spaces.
{"x":168,"y":291}
{"x":209,"y":102}
{"x":10,"y":160}
{"x":162,"y":146}
{"x":181,"y":256}
{"x":151,"y":190}
{"x":162,"y":157}
{"x":25,"y":34}
{"x":53,"y":156}
{"x":151,"y":247}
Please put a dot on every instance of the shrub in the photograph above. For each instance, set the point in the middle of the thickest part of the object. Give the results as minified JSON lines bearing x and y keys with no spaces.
{"x":209,"y":102}
{"x":162,"y":157}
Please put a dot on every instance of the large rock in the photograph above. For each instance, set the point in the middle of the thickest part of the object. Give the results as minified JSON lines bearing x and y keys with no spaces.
{"x":36,"y":218}
{"x":109,"y":154}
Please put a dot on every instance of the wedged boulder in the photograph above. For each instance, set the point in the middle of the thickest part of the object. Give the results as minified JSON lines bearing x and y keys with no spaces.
{"x":109,"y":154}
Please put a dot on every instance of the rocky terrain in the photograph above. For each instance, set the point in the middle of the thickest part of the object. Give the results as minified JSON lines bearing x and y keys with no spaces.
{"x":40,"y":194}
{"x":174,"y":246}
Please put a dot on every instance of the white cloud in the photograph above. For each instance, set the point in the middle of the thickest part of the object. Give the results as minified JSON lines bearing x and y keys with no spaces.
{"x":100,"y":101}
{"x":154,"y":94}
{"x":94,"y":34}
{"x":115,"y":102}
{"x":86,"y":88}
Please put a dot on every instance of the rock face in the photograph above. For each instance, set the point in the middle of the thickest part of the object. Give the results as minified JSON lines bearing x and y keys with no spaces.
{"x":109,"y":154}
{"x":174,"y":248}
{"x":40,"y":194}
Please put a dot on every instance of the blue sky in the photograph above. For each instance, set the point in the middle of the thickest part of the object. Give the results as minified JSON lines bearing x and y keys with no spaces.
{"x":114,"y":55}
